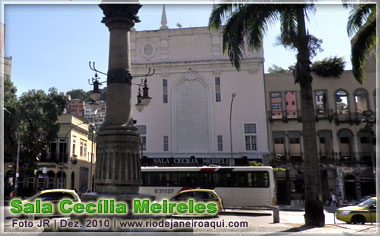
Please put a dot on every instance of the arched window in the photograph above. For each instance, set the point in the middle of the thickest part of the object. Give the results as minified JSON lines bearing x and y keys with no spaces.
{"x":341,"y":102}
{"x":361,"y":100}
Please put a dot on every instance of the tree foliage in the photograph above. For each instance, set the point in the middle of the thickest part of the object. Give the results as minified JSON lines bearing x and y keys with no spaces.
{"x":10,"y":123}
{"x":79,"y":94}
{"x":362,"y":25}
{"x":276,"y":69}
{"x":329,"y":67}
{"x":37,"y":114}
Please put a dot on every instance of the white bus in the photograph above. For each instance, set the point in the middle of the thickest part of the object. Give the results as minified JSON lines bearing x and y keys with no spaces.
{"x":238,"y":186}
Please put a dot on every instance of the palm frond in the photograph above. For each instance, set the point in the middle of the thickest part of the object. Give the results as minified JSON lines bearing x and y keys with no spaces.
{"x":260,"y":17}
{"x":358,"y":16}
{"x":233,"y":37}
{"x":363,"y":42}
{"x":218,"y":14}
{"x":288,"y":27}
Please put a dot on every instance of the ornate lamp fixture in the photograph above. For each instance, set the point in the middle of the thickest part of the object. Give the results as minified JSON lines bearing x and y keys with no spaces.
{"x":142,"y":100}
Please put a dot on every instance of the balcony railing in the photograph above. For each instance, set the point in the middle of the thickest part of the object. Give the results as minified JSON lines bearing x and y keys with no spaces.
{"x":349,"y":117}
{"x":55,"y":157}
{"x":358,"y":117}
{"x":336,"y":158}
{"x":284,"y":115}
{"x":327,"y":114}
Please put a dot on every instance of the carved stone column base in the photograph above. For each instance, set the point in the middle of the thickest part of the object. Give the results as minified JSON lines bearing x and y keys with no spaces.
{"x":118,"y":169}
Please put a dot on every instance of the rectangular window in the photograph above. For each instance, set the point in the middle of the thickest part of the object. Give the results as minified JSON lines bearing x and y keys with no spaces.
{"x":321,"y":101}
{"x":220,"y":143}
{"x":142,"y":130}
{"x":291,"y":107}
{"x":250,"y":128}
{"x":165,"y":90}
{"x":81,"y":149}
{"x":250,"y":137}
{"x":52,"y":150}
{"x":276,"y":105}
{"x":74,"y":142}
{"x":166,"y":143}
{"x":217,"y":90}
{"x":294,"y":140}
{"x":279,"y":140}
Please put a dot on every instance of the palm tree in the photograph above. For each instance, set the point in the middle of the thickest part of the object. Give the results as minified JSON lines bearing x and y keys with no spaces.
{"x":251,"y":21}
{"x":362,"y":25}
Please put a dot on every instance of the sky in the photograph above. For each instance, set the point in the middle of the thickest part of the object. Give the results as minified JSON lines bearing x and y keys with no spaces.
{"x":51,"y":45}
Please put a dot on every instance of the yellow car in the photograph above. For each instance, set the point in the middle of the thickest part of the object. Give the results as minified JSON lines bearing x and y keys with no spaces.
{"x":199,"y":195}
{"x":359,"y":214}
{"x":52,"y":196}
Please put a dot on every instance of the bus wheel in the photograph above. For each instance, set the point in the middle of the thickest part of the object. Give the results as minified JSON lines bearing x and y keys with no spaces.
{"x":358,"y":219}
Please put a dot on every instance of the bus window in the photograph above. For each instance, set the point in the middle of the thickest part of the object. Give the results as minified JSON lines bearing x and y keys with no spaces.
{"x":240,"y":179}
{"x":260,"y":179}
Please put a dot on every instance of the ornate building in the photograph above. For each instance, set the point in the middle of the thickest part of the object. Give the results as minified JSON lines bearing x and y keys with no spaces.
{"x":346,"y":149}
{"x":188,"y":119}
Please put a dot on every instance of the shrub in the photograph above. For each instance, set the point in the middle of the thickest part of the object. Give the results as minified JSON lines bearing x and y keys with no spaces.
{"x":332,"y":66}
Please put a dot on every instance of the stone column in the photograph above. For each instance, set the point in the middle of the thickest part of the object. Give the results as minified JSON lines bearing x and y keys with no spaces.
{"x":118,"y":163}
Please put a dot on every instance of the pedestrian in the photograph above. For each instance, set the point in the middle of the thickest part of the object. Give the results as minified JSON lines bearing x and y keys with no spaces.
{"x":332,"y":198}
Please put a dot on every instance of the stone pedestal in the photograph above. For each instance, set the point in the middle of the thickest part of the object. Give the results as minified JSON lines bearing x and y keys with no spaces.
{"x":118,"y":168}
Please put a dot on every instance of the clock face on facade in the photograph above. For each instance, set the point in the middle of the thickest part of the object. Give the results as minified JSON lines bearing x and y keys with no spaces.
{"x":148,"y":50}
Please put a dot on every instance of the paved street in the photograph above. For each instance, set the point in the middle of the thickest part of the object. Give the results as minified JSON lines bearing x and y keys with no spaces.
{"x":258,"y":221}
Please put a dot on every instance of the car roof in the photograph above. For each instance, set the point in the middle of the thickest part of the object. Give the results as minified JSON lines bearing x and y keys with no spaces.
{"x":198,"y":190}
{"x":58,"y":190}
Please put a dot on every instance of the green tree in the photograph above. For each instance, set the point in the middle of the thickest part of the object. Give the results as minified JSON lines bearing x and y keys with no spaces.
{"x":362,"y":26}
{"x":79,"y":94}
{"x":251,"y":21}
{"x":10,"y":124}
{"x":276,"y":69}
{"x":38,"y":116}
{"x":332,"y":66}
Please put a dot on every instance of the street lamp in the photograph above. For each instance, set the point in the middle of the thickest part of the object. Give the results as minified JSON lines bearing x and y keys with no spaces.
{"x":232,"y":155}
{"x":18,"y":150}
{"x":142,"y":100}
{"x":369,"y":119}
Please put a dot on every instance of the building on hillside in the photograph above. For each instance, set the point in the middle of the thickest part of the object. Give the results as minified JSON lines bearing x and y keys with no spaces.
{"x":75,"y":107}
{"x":67,"y":162}
{"x":188,"y":119}
{"x":347,"y":156}
{"x":95,"y":117}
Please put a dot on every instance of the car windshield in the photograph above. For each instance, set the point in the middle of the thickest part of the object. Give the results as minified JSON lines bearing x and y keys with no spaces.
{"x":366,"y":203}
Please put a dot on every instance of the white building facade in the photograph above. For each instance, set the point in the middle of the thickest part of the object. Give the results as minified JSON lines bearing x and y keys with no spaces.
{"x":188,"y":119}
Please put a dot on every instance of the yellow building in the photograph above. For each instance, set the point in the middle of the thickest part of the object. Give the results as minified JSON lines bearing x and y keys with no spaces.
{"x":67,"y":163}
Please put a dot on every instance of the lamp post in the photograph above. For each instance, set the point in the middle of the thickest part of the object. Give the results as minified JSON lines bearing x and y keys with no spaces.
{"x":369,"y":120}
{"x":232,"y":153}
{"x":18,"y":151}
